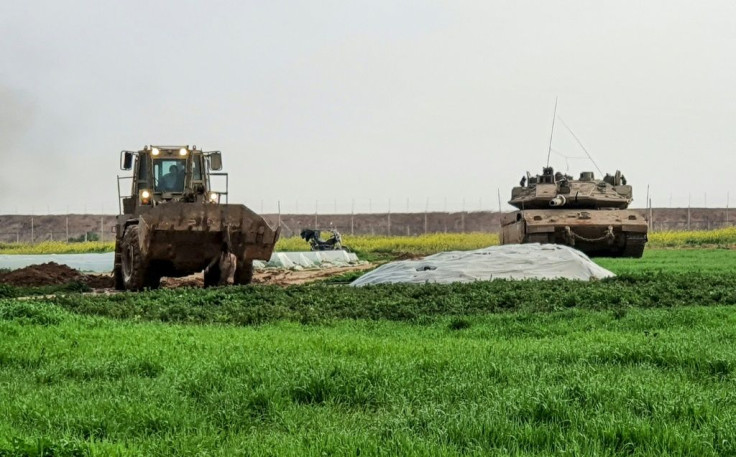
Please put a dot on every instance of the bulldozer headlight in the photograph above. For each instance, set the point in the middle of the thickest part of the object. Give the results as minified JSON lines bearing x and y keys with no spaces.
{"x":183,"y":151}
{"x":155,"y":151}
{"x":145,"y":197}
{"x":214,"y":197}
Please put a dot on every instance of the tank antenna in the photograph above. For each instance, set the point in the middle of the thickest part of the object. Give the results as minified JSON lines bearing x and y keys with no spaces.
{"x":581,"y":145}
{"x":554,"y":115}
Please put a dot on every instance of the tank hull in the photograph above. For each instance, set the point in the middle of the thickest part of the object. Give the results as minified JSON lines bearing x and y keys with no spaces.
{"x":607,"y":233}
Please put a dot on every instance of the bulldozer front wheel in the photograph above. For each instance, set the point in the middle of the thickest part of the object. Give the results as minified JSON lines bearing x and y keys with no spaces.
{"x":117,"y":270}
{"x":244,"y":272}
{"x":133,"y":266}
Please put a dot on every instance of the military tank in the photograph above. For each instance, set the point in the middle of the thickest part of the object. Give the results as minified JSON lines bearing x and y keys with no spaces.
{"x":589,"y":214}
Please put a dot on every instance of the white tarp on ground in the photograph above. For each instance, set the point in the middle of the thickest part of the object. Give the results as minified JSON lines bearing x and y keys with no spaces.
{"x":309,"y":259}
{"x":96,"y":263}
{"x":511,"y":261}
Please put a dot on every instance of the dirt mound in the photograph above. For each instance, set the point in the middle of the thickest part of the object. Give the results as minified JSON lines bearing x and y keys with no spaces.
{"x":100,"y":281}
{"x":51,"y":274}
{"x":45,"y":274}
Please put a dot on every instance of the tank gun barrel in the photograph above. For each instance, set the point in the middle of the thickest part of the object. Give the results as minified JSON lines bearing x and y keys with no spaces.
{"x":559,"y":200}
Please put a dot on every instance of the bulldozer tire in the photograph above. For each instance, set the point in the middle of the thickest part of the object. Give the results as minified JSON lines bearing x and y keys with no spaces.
{"x":212,"y":276}
{"x":133,"y":266}
{"x":244,"y":272}
{"x":153,"y":279}
{"x":117,"y":270}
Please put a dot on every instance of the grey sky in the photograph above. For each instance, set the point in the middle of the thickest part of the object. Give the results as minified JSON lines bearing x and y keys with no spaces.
{"x":367,"y":101}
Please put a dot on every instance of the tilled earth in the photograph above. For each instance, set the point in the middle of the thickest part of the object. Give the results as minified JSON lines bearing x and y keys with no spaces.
{"x":52,"y":273}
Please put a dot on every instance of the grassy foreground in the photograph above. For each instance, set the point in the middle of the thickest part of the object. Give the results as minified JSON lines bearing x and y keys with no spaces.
{"x":674,"y":261}
{"x":641,"y":364}
{"x":581,"y":382}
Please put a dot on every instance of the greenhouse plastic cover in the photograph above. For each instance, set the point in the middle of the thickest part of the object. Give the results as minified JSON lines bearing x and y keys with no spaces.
{"x":309,"y":259}
{"x":511,"y":261}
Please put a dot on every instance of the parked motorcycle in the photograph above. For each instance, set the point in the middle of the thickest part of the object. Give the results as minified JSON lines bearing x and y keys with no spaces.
{"x":333,"y":243}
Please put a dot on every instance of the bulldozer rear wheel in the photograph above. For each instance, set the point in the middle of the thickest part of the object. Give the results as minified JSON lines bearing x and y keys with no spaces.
{"x":244,"y":272}
{"x":133,"y":266}
{"x":212,"y":276}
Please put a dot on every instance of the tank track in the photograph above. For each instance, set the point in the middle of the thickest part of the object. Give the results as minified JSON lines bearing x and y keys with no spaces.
{"x":634,"y":246}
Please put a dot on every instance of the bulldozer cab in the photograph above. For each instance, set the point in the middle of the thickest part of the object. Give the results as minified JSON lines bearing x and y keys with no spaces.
{"x":164,"y":174}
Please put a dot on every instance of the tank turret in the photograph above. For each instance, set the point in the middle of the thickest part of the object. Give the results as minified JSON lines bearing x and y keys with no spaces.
{"x":559,"y":190}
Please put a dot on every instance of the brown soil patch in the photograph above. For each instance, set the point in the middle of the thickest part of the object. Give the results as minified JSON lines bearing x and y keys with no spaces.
{"x":52,"y":273}
{"x":100,"y":281}
{"x":280,"y":277}
{"x":45,"y":274}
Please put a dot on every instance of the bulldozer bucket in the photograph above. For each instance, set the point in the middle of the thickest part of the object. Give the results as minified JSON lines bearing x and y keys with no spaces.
{"x":183,"y":237}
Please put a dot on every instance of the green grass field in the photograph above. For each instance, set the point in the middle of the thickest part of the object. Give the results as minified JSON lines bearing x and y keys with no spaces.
{"x":641,"y":364}
{"x":675,"y":261}
{"x":643,"y":382}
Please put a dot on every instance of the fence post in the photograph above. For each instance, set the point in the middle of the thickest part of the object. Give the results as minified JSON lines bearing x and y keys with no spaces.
{"x":32,"y":231}
{"x":426,"y":209}
{"x":67,"y":228}
{"x":388,"y":229}
{"x":102,"y":229}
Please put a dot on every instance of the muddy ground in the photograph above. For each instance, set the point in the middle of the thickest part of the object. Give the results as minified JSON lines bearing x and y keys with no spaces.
{"x":49,"y":274}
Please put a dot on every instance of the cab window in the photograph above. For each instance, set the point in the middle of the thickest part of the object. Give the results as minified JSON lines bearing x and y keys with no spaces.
{"x":169,"y":175}
{"x":196,"y":168}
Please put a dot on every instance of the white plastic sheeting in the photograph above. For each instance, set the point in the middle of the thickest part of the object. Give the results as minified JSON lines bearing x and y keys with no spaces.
{"x":511,"y":261}
{"x":96,"y":263}
{"x":308,"y":259}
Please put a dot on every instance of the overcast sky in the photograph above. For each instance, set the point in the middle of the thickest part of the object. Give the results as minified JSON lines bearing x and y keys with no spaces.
{"x":361,"y":103}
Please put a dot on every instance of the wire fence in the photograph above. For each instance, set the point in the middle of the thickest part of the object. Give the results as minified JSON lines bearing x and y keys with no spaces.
{"x":78,"y":228}
{"x":63,"y":228}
